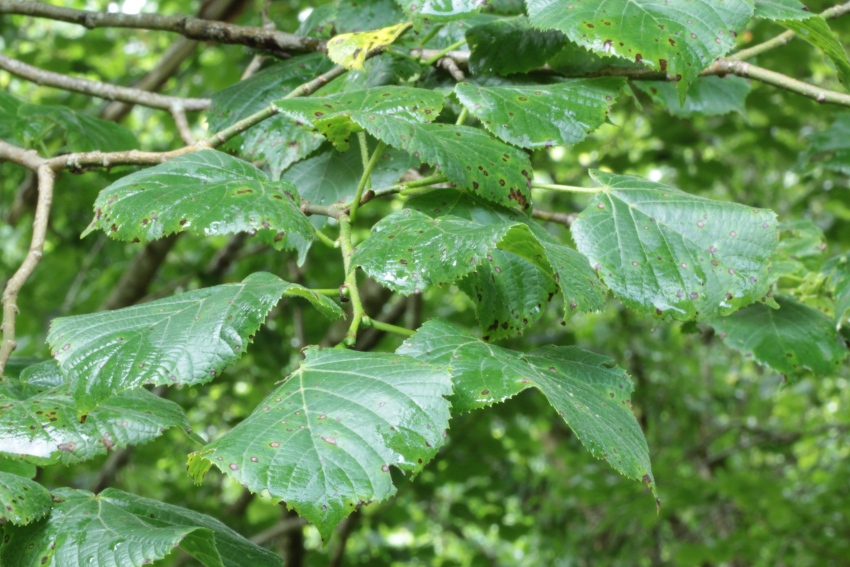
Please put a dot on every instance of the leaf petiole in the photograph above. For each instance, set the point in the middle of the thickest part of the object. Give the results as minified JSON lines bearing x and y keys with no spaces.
{"x":390,"y":328}
{"x":442,"y":53}
{"x":327,"y":240}
{"x":566,"y":188}
{"x":367,"y":171}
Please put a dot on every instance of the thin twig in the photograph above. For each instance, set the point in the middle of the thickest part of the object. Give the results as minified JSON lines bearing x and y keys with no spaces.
{"x":182,"y":124}
{"x":565,"y":219}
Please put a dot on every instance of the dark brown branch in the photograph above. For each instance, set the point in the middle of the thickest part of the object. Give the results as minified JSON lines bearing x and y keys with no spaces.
{"x":192,"y":28}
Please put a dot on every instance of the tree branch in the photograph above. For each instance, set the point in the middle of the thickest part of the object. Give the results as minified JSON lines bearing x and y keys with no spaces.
{"x":565,"y":219}
{"x":46,"y":178}
{"x":192,"y":28}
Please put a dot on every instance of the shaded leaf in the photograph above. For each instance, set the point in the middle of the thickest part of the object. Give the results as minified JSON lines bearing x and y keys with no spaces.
{"x":467,"y":156}
{"x":41,"y":424}
{"x":324,"y":440}
{"x":789,"y":339}
{"x":207,"y":193}
{"x":837,"y":269}
{"x":530,"y":47}
{"x":188,"y":338}
{"x":537,"y":116}
{"x":677,"y":36}
{"x":586,"y":389}
{"x":708,"y":96}
{"x":365,"y":15}
{"x":664,"y":251}
{"x":277,"y":140}
{"x":116,"y":529}
{"x":335,"y":116}
{"x":422,"y":11}
{"x":350,"y":49}
{"x":22,"y":500}
{"x":800,"y":250}
{"x":830,"y":148}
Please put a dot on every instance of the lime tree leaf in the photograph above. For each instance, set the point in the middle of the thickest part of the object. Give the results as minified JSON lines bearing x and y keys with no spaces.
{"x":207,"y":193}
{"x":319,"y":23}
{"x":467,"y":156}
{"x":837,"y":269}
{"x":664,"y":251}
{"x":41,"y":424}
{"x":16,"y":364}
{"x":586,"y":389}
{"x":530,"y":47}
{"x":114,"y":529}
{"x":22,"y":500}
{"x":810,"y":27}
{"x":800,"y":250}
{"x":277,"y":140}
{"x":334,"y":116}
{"x":82,"y":133}
{"x":830,"y":148}
{"x":324,"y":441}
{"x":188,"y":338}
{"x":708,"y":96}
{"x":788,"y":340}
{"x":679,"y":37}
{"x":18,"y":466}
{"x":542,"y":115}
{"x":510,"y":291}
{"x":428,"y":11}
{"x":350,"y":49}
{"x":365,"y":15}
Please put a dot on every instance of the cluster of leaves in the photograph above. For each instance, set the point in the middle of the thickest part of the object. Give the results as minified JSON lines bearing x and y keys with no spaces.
{"x":324,"y":440}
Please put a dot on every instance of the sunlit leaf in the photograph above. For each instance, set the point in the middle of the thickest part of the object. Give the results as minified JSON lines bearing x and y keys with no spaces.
{"x":350,"y":49}
{"x":423,"y":11}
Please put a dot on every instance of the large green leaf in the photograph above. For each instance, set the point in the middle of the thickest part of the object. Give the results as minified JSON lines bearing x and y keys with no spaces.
{"x":467,"y":156}
{"x":664,"y":251}
{"x":116,"y":529}
{"x":788,"y":340}
{"x":365,"y":15}
{"x":810,"y":27}
{"x":679,"y":37}
{"x":22,"y":500}
{"x":184,"y":339}
{"x":837,"y":269}
{"x":277,"y":140}
{"x":530,"y":48}
{"x":41,"y":424}
{"x":425,"y":11}
{"x":543,"y":115}
{"x":335,"y":116}
{"x":206,"y":192}
{"x":324,"y":441}
{"x":509,"y":291}
{"x":708,"y":96}
{"x":586,"y":389}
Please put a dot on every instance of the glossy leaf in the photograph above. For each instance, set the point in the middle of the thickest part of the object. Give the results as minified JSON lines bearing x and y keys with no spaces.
{"x":789,"y":339}
{"x":41,"y":424}
{"x":22,"y":500}
{"x":664,"y":251}
{"x":542,"y":115}
{"x":422,"y":11}
{"x":585,"y":388}
{"x":207,"y":193}
{"x":185,"y":339}
{"x":510,"y":291}
{"x":116,"y":529}
{"x":324,"y":440}
{"x":677,"y":36}
{"x":708,"y":96}
{"x":810,"y":27}
{"x":350,"y":49}
{"x":335,"y":116}
{"x":467,"y":156}
{"x":277,"y":140}
{"x":530,"y":47}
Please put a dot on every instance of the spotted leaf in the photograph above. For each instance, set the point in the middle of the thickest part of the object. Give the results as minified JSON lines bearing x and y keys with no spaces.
{"x":22,"y":500}
{"x":350,"y":49}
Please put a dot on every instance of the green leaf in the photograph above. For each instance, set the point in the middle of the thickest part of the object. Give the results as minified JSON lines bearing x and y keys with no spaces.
{"x":350,"y":49}
{"x":22,"y":500}
{"x":324,"y":440}
{"x":277,"y":140}
{"x":365,"y":15}
{"x":320,"y":22}
{"x":530,"y":47}
{"x":708,"y":96}
{"x":664,"y":251}
{"x":335,"y":116}
{"x":800,"y":250}
{"x":188,"y":338}
{"x":18,"y":466}
{"x":809,"y":27}
{"x":535,"y":116}
{"x":677,"y":36}
{"x":41,"y":424}
{"x":467,"y":156}
{"x":788,"y":340}
{"x":837,"y":269}
{"x":116,"y":529}
{"x":511,"y":291}
{"x":586,"y":389}
{"x":16,"y":364}
{"x":426,"y":11}
{"x":207,"y":193}
{"x":831,"y":147}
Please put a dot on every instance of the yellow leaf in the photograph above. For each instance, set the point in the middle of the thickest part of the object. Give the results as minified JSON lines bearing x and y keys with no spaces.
{"x":350,"y":49}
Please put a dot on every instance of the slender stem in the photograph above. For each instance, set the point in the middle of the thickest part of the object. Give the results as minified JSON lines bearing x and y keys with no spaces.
{"x":462,"y":118}
{"x":567,"y":188}
{"x":327,"y":240}
{"x":330,"y":292}
{"x":375,"y":324}
{"x":364,"y":152}
{"x":402,"y":187}
{"x":357,"y":312}
{"x":439,"y":55}
{"x":367,"y":175}
{"x":430,"y":35}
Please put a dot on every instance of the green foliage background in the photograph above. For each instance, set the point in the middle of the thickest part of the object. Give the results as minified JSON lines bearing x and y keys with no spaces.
{"x":749,"y":471}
